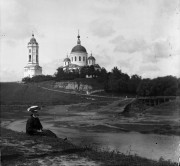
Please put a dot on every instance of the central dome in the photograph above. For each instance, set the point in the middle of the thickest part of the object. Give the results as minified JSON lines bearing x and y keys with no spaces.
{"x":79,"y":48}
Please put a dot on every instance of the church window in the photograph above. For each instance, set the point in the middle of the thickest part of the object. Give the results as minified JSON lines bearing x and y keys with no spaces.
{"x":29,"y":58}
{"x":83,"y":58}
{"x":29,"y":50}
{"x":36,"y":58}
{"x":75,"y":58}
{"x":79,"y":58}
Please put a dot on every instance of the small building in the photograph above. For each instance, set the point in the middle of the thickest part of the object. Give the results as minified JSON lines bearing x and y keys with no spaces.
{"x":32,"y":68}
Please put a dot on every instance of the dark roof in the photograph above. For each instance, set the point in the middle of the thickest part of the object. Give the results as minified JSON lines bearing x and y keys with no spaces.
{"x":33,"y":40}
{"x":91,"y":58}
{"x":79,"y":48}
{"x":67,"y":60}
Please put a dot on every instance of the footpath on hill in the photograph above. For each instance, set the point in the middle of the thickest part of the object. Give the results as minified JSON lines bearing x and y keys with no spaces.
{"x":68,"y":92}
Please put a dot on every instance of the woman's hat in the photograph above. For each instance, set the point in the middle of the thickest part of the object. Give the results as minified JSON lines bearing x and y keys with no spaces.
{"x":34,"y":109}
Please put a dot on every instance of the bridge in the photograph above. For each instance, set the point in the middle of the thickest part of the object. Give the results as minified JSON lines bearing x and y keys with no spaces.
{"x":155,"y":100}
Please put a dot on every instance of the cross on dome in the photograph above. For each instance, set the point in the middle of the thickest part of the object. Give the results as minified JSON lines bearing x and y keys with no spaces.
{"x":78,"y":41}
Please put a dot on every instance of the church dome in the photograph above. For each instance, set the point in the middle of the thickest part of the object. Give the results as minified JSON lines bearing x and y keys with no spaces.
{"x":67,"y":60}
{"x":91,"y":58}
{"x":79,"y":48}
{"x":33,"y":40}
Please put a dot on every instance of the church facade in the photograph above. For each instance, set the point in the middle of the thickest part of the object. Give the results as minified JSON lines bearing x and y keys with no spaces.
{"x":32,"y":68}
{"x":79,"y":58}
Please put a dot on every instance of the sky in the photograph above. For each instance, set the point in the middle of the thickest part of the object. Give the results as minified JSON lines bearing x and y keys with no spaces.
{"x":137,"y":36}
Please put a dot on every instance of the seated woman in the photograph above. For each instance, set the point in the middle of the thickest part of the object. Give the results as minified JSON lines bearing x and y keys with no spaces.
{"x":34,"y":126}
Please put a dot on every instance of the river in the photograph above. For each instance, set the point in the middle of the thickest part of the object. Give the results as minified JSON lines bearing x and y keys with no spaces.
{"x":151,"y":146}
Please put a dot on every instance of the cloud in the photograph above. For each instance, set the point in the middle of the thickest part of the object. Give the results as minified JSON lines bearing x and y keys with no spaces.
{"x":104,"y":59}
{"x":158,"y":50}
{"x":8,"y":75}
{"x":16,"y":21}
{"x":50,"y":68}
{"x":102,"y":28}
{"x":128,"y":45}
{"x":124,"y":63}
{"x":169,"y":7}
{"x":150,"y":70}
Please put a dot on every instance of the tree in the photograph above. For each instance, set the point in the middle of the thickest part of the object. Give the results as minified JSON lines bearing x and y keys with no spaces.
{"x":59,"y":75}
{"x":134,"y":83}
{"x":91,"y":71}
{"x":161,"y":86}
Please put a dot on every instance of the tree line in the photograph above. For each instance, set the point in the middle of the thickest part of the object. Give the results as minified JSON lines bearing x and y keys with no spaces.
{"x":116,"y":81}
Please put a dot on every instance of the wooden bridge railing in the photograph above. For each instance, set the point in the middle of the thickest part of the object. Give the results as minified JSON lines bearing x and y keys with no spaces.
{"x":155,"y":100}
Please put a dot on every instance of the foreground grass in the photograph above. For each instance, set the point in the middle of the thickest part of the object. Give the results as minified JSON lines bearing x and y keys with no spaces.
{"x":17,"y":149}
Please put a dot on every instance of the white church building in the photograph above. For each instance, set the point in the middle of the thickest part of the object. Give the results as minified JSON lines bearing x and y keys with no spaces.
{"x":79,"y":58}
{"x":32,"y":68}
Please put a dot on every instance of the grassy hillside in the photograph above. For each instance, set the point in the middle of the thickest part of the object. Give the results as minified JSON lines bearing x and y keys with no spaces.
{"x":32,"y":93}
{"x":87,"y":81}
{"x":15,"y":93}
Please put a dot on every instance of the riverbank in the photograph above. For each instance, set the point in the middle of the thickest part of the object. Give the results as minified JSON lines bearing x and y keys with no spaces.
{"x":93,"y":120}
{"x":17,"y":148}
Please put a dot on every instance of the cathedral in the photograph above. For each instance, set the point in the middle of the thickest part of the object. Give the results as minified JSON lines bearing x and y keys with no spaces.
{"x":33,"y":68}
{"x":79,"y":58}
{"x":76,"y":60}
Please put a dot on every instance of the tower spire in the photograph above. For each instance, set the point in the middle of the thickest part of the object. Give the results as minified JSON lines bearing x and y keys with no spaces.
{"x":78,"y":41}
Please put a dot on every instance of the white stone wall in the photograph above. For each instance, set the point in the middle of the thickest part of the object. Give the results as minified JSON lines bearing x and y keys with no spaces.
{"x":32,"y":71}
{"x":78,"y":61}
{"x":66,"y":63}
{"x":91,"y":62}
{"x":73,"y":86}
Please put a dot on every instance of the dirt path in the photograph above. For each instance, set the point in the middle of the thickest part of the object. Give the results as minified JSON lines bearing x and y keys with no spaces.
{"x":90,"y":95}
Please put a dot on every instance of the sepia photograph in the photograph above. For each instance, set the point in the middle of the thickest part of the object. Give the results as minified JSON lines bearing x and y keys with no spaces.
{"x":90,"y":82}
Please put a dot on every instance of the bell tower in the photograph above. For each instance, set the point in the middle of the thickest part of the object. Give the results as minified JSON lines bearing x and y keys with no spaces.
{"x":33,"y":68}
{"x":33,"y":51}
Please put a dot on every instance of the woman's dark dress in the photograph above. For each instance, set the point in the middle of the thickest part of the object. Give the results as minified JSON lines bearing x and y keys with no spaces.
{"x":34,"y":124}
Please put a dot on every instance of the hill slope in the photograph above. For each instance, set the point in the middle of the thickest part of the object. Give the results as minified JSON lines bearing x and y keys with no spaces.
{"x":15,"y":93}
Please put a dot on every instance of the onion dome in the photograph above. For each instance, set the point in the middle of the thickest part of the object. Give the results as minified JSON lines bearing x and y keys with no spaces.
{"x":33,"y":40}
{"x":78,"y":47}
{"x":91,"y":57}
{"x":67,"y":60}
